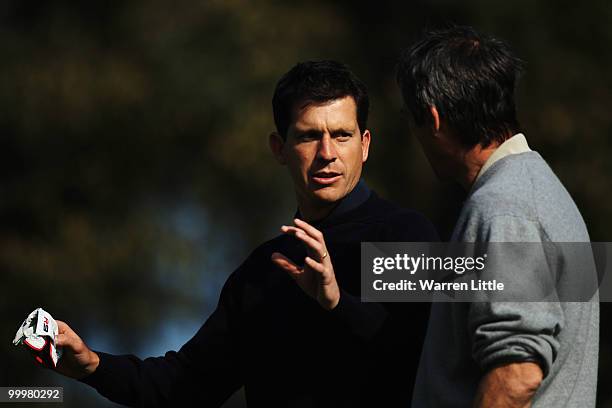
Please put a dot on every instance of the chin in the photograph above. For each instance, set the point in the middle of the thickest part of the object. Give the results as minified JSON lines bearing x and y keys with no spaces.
{"x":328,"y":194}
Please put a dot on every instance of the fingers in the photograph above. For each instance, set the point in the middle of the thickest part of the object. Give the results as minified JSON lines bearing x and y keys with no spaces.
{"x":63,"y":327}
{"x":315,"y":265}
{"x":62,"y":340}
{"x":300,"y":234}
{"x":297,"y":272}
{"x":319,"y":249}
{"x":286,"y":264}
{"x":309,"y":235}
{"x":326,"y":275}
{"x":67,"y":337}
{"x":310,"y":230}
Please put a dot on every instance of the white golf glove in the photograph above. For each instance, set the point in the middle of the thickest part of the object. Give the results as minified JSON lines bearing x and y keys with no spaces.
{"x":38,"y":333}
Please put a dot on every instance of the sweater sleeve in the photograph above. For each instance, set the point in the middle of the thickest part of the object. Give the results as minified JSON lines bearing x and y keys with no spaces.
{"x":204,"y":371}
{"x":363,"y":320}
{"x":513,"y":331}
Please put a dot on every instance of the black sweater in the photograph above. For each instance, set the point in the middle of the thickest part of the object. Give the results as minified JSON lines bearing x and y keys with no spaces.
{"x":287,"y":351}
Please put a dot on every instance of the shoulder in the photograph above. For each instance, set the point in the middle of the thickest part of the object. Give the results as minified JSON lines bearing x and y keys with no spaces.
{"x":501,"y":206}
{"x":520,"y":197}
{"x":257,"y":273}
{"x":506,"y":189}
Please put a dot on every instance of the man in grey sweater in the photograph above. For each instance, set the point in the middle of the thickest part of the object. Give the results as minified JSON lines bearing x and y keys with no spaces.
{"x":458,"y":87}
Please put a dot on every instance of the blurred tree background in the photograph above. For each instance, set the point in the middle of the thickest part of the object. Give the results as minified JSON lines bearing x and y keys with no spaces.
{"x":134,"y":168}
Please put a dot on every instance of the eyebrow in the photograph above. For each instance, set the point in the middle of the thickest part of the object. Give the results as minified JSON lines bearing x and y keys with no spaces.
{"x":342,"y":131}
{"x":316,"y":132}
{"x":308,"y":133}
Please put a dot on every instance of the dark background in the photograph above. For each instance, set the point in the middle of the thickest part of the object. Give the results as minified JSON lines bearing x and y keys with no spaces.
{"x":134,"y":168}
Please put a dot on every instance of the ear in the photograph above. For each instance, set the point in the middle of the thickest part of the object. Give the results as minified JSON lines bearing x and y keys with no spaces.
{"x":366,"y":138}
{"x":277,"y":143}
{"x":435,"y":118}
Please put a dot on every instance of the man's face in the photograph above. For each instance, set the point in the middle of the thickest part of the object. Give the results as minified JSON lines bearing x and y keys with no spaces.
{"x":324,"y":151}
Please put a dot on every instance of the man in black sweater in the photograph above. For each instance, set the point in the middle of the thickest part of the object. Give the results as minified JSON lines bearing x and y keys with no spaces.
{"x":290,"y":326}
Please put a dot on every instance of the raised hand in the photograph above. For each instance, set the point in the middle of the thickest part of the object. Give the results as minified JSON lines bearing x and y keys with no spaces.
{"x":316,"y":277}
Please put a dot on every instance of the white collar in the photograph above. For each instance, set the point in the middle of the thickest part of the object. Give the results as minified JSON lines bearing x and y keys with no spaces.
{"x":514,"y":145}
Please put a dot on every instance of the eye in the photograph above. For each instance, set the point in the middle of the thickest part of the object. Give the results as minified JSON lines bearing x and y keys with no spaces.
{"x":307,"y":136}
{"x":343,"y":136}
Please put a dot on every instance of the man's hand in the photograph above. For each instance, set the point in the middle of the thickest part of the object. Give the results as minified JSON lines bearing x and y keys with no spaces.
{"x":316,"y":277}
{"x":509,"y":386}
{"x":77,"y":360}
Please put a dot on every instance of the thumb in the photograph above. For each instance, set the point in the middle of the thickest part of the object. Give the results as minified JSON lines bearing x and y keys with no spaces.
{"x":286,"y":264}
{"x":67,"y":337}
{"x":62,"y":340}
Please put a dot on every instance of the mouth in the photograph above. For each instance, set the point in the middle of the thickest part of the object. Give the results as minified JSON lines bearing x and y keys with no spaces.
{"x":325,"y":177}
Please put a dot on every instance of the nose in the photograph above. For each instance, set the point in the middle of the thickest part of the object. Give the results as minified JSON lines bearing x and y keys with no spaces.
{"x":327,"y":150}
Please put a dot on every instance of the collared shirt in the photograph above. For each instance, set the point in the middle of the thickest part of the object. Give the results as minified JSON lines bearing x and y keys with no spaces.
{"x":515,"y":145}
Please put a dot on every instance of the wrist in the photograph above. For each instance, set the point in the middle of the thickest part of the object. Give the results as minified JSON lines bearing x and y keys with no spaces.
{"x":94,"y":362}
{"x":331,"y":301}
{"x":510,"y":385}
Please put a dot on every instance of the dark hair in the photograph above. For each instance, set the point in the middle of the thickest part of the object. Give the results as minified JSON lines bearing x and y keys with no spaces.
{"x":315,"y":82}
{"x":470,"y":78}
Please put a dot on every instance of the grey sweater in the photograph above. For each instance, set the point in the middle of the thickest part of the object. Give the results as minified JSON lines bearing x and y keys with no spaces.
{"x":518,"y":199}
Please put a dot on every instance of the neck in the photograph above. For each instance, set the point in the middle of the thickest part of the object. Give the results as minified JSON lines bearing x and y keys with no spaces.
{"x":472,"y":161}
{"x":313,"y":213}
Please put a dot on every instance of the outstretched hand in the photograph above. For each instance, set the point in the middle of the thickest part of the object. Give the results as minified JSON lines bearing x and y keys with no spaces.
{"x":316,"y":277}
